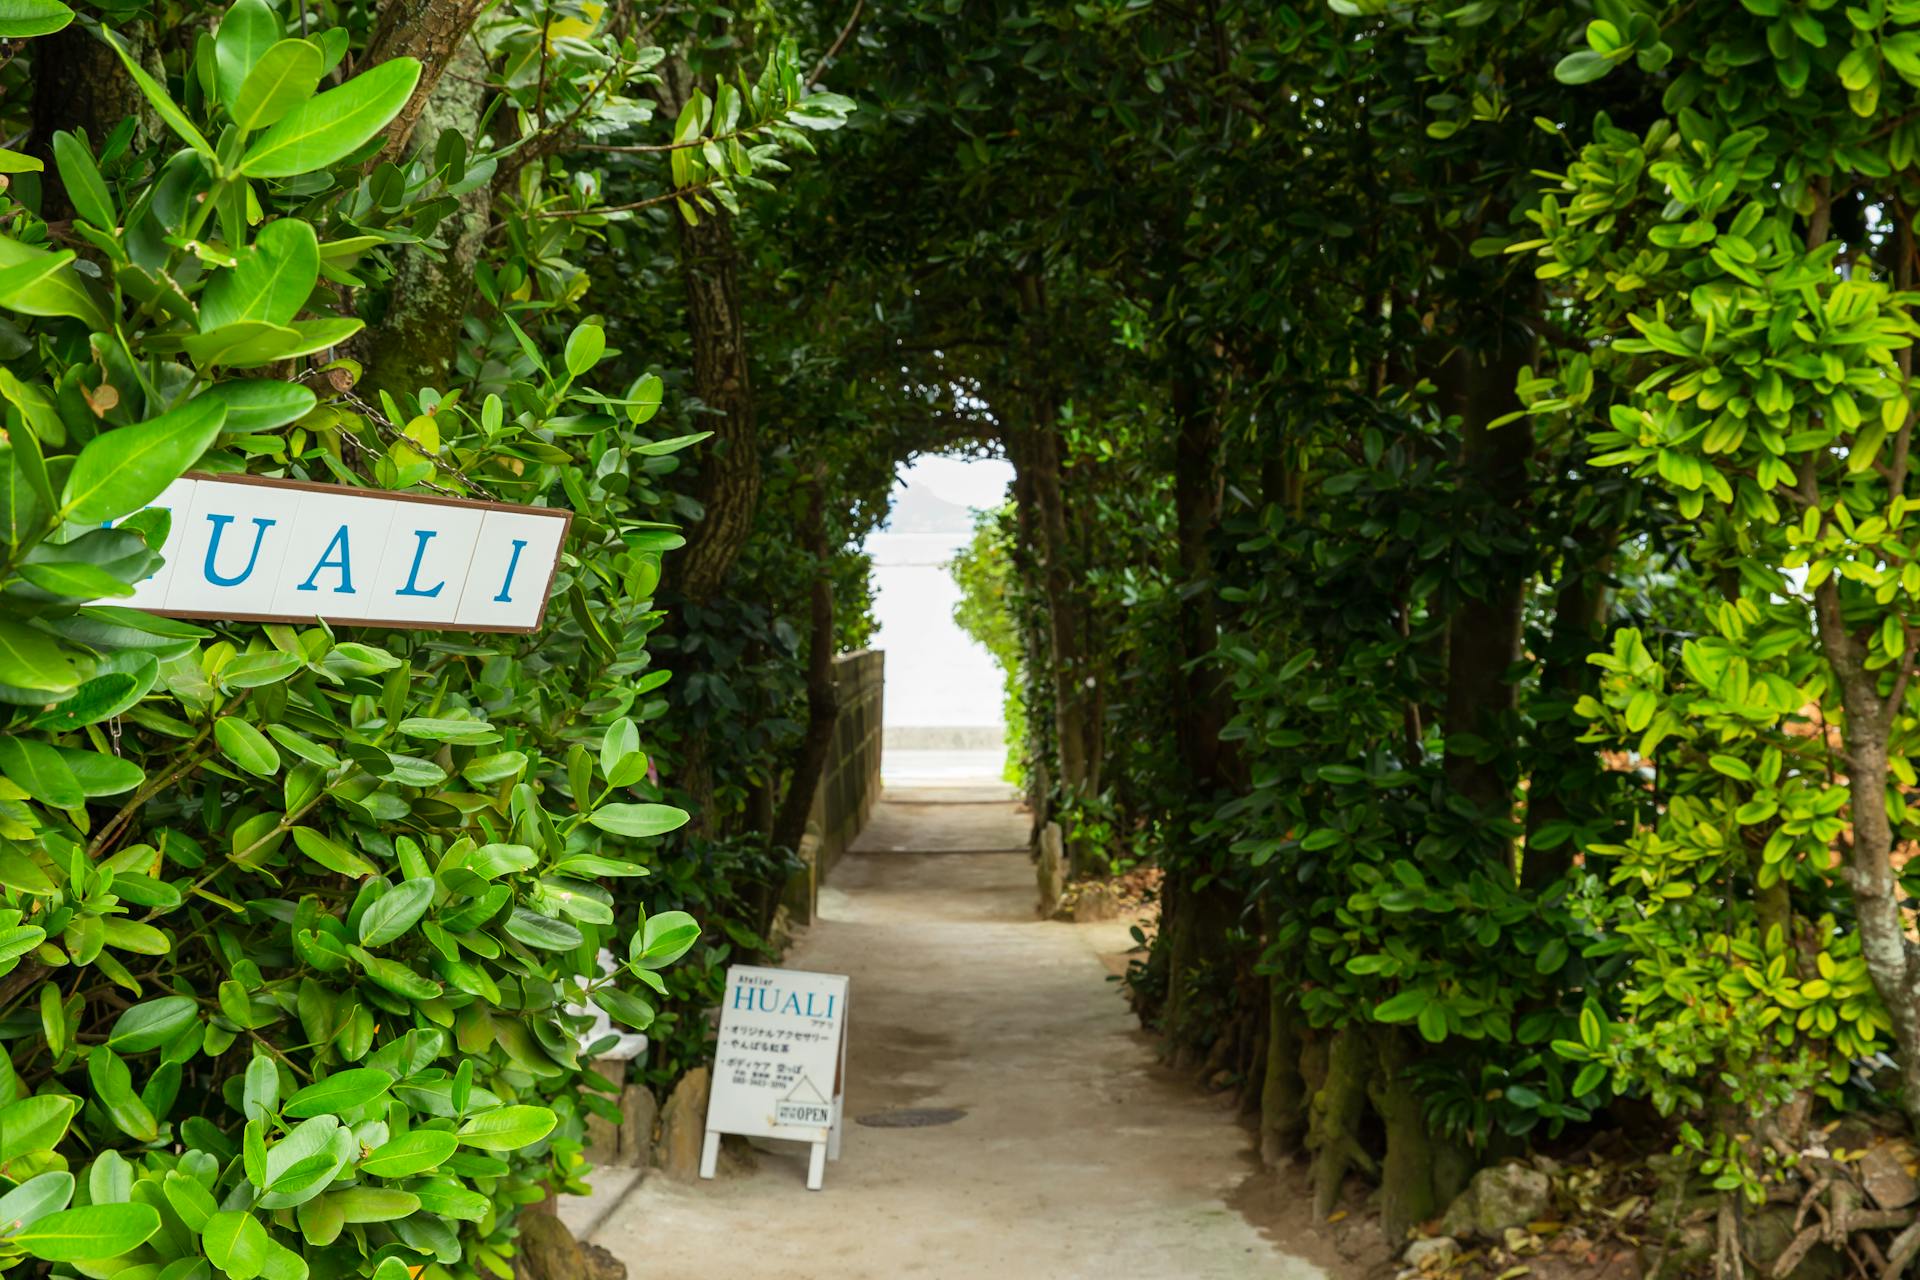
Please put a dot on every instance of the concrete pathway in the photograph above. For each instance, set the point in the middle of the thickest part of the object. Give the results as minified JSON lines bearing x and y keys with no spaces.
{"x":1076,"y":1157}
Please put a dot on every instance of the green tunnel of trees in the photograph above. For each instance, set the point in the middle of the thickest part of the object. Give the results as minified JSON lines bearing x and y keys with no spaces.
{"x":1463,"y":466}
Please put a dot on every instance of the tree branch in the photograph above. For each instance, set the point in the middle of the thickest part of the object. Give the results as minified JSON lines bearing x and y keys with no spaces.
{"x":813,"y":77}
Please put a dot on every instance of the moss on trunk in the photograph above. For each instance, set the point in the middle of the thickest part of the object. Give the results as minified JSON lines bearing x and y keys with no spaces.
{"x":415,"y":342}
{"x":1333,"y":1118}
{"x":1408,"y":1191}
{"x":1283,"y":1086}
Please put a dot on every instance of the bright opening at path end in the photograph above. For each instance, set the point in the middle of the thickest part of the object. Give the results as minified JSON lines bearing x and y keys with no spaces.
{"x":943,"y":714}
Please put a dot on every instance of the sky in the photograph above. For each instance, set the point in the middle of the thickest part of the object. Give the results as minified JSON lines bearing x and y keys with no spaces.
{"x":936,"y":675}
{"x":969,"y":482}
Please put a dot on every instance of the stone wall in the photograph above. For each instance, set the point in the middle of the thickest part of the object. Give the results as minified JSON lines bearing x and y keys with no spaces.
{"x":851,"y":782}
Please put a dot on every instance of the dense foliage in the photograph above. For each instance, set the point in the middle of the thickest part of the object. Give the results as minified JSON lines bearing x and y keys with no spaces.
{"x":305,"y":925}
{"x":987,"y":613}
{"x":1463,"y":481}
{"x":1460,"y":535}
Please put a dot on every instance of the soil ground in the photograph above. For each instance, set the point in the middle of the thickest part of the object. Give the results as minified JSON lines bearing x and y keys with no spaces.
{"x":1076,"y":1156}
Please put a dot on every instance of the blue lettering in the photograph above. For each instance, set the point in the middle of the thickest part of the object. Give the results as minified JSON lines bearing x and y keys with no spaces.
{"x":830,"y":1000}
{"x":260,"y":526}
{"x":792,"y":1005}
{"x":327,"y":561}
{"x":413,"y":575}
{"x":767,"y":995}
{"x":743,"y":998}
{"x":519,"y":545}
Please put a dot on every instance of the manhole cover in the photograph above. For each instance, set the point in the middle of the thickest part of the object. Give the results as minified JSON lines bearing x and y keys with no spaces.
{"x":911,"y":1117}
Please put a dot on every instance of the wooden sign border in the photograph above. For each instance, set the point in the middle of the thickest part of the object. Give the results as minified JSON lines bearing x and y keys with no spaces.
{"x":430,"y":500}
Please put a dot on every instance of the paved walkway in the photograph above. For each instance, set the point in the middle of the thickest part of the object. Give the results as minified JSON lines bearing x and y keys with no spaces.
{"x":1076,"y":1157}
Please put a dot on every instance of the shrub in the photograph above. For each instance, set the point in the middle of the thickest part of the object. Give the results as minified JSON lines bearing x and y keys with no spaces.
{"x":296,"y":927}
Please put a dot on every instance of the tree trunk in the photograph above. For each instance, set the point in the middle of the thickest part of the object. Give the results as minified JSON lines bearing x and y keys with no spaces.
{"x":414,"y":344}
{"x":1207,"y":912}
{"x":1483,"y":635}
{"x":1194,"y":927}
{"x":1075,"y":735}
{"x":1333,"y":1128}
{"x":430,"y":30}
{"x":1561,"y":766}
{"x":1065,"y":624}
{"x":728,"y":489}
{"x":823,"y":696}
{"x":1890,"y":957}
{"x":79,"y":85}
{"x":1038,"y":664}
{"x":1408,"y":1194}
{"x":1196,"y":497}
{"x":1037,"y":462}
{"x":1283,"y":1091}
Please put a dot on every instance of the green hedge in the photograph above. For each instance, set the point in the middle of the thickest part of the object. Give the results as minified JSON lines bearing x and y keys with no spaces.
{"x":291,"y":921}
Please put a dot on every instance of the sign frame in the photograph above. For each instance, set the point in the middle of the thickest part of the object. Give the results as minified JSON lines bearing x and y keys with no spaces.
{"x":824,"y":1148}
{"x":562,"y":514}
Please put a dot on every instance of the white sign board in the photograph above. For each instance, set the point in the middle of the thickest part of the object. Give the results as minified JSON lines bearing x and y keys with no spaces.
{"x":254,"y":549}
{"x":779,"y":1070}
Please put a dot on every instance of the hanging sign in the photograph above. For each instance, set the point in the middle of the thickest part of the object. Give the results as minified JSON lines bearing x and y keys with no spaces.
{"x":781,"y":1064}
{"x":254,"y":549}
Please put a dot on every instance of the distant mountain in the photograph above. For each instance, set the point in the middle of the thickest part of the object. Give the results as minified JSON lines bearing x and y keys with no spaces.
{"x":918,"y":509}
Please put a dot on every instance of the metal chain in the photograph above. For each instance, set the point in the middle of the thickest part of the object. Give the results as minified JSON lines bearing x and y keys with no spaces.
{"x":384,"y":425}
{"x":113,"y":731}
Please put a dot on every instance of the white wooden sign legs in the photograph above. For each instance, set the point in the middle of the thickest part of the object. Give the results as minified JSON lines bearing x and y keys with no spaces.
{"x":817,"y":1155}
{"x":781,"y":1065}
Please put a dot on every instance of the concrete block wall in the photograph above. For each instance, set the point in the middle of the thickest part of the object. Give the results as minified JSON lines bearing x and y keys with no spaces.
{"x":850,"y":784}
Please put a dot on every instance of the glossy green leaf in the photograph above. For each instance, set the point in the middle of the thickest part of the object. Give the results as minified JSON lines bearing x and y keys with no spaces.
{"x":246,"y":746}
{"x":341,"y":1091}
{"x":193,"y":1202}
{"x":112,"y":1082}
{"x":247,"y":30}
{"x":153,"y":1023}
{"x":75,"y":580}
{"x":409,"y":1154}
{"x":41,"y":771}
{"x":91,"y":1231}
{"x":32,"y":659}
{"x":374,"y":1204}
{"x":639,"y":820}
{"x":395,"y":912}
{"x":22,"y":873}
{"x":331,"y":854}
{"x":440,"y":730}
{"x":102,"y":697}
{"x":332,"y":125}
{"x":34,"y":1199}
{"x":35,"y":282}
{"x":120,"y":471}
{"x":236,"y":1243}
{"x":34,"y":1124}
{"x":285,"y":76}
{"x":81,"y":177}
{"x":507,"y":1128}
{"x":25,"y":19}
{"x":261,"y":404}
{"x":585,"y":345}
{"x":542,"y":932}
{"x":664,"y":938}
{"x":100,"y":774}
{"x":270,"y":280}
{"x":627,"y":1007}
